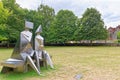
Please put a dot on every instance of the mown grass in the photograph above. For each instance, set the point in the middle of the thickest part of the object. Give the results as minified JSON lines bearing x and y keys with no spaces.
{"x":93,"y":63}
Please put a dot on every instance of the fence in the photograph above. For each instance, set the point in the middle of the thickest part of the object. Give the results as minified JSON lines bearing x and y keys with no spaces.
{"x":69,"y":44}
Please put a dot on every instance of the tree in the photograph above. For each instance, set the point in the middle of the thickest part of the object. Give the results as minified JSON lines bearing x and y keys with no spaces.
{"x":4,"y":14}
{"x":92,"y":26}
{"x":47,"y":15}
{"x":77,"y":34}
{"x":63,"y":27}
{"x":15,"y":22}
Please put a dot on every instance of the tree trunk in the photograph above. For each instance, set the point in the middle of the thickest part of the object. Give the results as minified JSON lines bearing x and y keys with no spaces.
{"x":8,"y":45}
{"x":91,"y":42}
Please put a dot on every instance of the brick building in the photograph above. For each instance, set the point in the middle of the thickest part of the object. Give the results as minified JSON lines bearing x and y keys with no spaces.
{"x":113,"y":32}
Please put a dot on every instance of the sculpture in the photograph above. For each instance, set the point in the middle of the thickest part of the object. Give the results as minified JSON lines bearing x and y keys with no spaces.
{"x":39,"y":47}
{"x":26,"y":49}
{"x":24,"y":53}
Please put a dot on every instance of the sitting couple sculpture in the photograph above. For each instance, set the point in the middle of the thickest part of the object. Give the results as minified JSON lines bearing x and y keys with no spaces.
{"x":29,"y":52}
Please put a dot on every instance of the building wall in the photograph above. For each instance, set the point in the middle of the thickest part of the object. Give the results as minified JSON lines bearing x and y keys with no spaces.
{"x":113,"y":32}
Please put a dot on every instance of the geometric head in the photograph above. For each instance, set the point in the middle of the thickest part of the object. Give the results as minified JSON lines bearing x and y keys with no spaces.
{"x":39,"y":29}
{"x":29,"y":25}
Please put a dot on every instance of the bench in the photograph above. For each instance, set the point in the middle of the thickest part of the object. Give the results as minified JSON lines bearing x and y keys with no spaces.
{"x":13,"y":65}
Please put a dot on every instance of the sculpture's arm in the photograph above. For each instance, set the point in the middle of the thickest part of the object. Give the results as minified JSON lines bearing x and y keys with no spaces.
{"x":41,"y":46}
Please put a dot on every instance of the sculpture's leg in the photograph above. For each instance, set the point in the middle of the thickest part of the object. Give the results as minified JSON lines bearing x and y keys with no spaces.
{"x":37,"y":61}
{"x":49,"y":59}
{"x":26,"y":67}
{"x":31,"y":63}
{"x":44,"y":57}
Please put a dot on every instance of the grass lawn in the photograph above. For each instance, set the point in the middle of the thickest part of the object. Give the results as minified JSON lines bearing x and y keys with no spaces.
{"x":93,"y":63}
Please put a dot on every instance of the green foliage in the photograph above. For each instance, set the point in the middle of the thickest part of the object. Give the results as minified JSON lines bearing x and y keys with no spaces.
{"x":15,"y":22}
{"x":3,"y":35}
{"x":118,"y":35}
{"x":59,"y":28}
{"x":63,"y":27}
{"x":4,"y":14}
{"x":47,"y":15}
{"x":92,"y":26}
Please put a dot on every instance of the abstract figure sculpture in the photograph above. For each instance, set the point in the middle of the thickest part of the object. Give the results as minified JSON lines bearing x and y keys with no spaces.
{"x":25,"y":47}
{"x":24,"y":53}
{"x":39,"y":47}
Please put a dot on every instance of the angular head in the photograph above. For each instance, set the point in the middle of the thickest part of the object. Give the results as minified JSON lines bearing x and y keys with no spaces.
{"x":28,"y":25}
{"x":39,"y":29}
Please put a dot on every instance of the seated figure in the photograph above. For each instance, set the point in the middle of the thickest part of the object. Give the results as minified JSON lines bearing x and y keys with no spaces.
{"x":22,"y":54}
{"x":39,"y":47}
{"x":26,"y":49}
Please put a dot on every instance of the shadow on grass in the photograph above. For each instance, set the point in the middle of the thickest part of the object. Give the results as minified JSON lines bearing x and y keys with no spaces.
{"x":22,"y":76}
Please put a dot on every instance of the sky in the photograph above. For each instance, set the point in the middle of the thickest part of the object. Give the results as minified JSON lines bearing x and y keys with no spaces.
{"x":109,"y":9}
